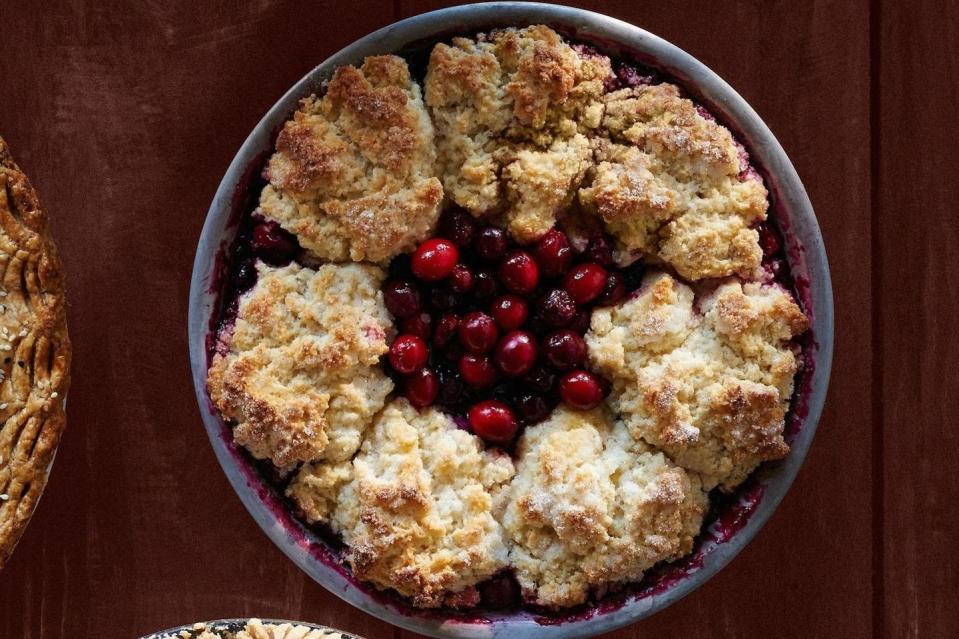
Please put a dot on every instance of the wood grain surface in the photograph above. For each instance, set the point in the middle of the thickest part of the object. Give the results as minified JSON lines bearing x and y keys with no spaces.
{"x":125,"y":115}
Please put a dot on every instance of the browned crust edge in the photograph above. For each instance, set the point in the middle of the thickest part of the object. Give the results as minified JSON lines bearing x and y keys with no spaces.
{"x":30,"y":429}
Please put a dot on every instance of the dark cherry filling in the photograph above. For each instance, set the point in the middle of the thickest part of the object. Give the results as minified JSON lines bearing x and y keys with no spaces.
{"x":488,"y":337}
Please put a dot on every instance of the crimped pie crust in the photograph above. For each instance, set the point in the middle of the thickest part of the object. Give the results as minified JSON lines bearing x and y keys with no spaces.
{"x":523,"y":130}
{"x":34,"y":351}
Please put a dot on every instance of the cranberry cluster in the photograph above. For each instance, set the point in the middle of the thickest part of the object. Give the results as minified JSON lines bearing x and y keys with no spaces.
{"x":494,"y":331}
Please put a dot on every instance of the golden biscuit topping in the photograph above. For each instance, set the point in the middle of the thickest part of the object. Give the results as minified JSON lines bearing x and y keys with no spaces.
{"x":591,"y":507}
{"x":418,"y":506}
{"x":353,"y":173}
{"x":299,"y":370}
{"x":710,"y":389}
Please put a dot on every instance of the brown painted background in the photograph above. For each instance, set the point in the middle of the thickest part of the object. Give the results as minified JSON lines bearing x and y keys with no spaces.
{"x":126,"y":115}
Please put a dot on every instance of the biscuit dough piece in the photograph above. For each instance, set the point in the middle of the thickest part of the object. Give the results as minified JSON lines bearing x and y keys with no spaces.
{"x":418,"y":514}
{"x":353,"y":176}
{"x":590,"y":506}
{"x":711,"y":389}
{"x":671,"y":182}
{"x":299,"y":372}
{"x":510,"y":110}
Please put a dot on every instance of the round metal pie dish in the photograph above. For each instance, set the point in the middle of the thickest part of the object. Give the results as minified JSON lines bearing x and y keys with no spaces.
{"x":733,"y":523}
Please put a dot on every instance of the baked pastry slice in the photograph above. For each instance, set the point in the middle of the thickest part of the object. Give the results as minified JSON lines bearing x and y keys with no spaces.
{"x":34,"y":351}
{"x":710,"y":388}
{"x":417,"y":507}
{"x":592,"y":507}
{"x":512,"y":109}
{"x":353,"y":173}
{"x":672,"y":184}
{"x":298,"y":371}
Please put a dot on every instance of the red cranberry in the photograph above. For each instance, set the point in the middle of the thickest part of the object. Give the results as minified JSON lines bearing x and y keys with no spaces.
{"x":614,"y":289}
{"x":516,"y":353}
{"x":273,"y":243}
{"x":519,"y":273}
{"x":557,"y":308}
{"x":478,"y":332}
{"x":493,"y":421}
{"x":420,"y":325}
{"x":408,"y":354}
{"x":461,"y":279}
{"x":434,"y":259}
{"x":422,"y":387}
{"x":585,"y":282}
{"x":484,"y":285}
{"x":509,"y":311}
{"x":446,"y":328}
{"x":402,"y":298}
{"x":564,"y":350}
{"x":477,"y":370}
{"x":768,"y":240}
{"x":599,"y":250}
{"x":458,"y":226}
{"x":540,"y":380}
{"x":553,"y":253}
{"x":581,"y":389}
{"x":532,"y":408}
{"x":491,"y":243}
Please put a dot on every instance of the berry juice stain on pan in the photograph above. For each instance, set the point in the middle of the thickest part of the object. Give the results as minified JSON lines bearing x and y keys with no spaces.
{"x":729,"y":518}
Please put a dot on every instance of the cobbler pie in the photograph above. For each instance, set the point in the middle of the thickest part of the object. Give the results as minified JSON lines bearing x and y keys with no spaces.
{"x":503,"y":329}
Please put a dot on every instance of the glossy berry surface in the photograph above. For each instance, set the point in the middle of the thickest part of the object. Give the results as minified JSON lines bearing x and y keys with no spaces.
{"x":504,"y":323}
{"x":420,"y":325}
{"x":516,"y":353}
{"x":458,"y":226}
{"x":553,"y":253}
{"x":600,"y":251}
{"x":461,"y":279}
{"x":510,"y":312}
{"x":275,"y":245}
{"x":408,"y":354}
{"x":477,"y":370}
{"x":402,"y":298}
{"x":493,"y":421}
{"x":613,"y":290}
{"x":422,"y":387}
{"x":491,"y":243}
{"x":478,"y":332}
{"x":519,"y":273}
{"x":533,"y":408}
{"x":434,"y":259}
{"x":446,"y":329}
{"x":581,"y":389}
{"x":585,"y":282}
{"x":564,"y":350}
{"x":557,"y":308}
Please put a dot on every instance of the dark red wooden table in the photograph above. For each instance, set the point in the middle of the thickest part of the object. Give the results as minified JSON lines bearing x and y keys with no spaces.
{"x":127,"y":114}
